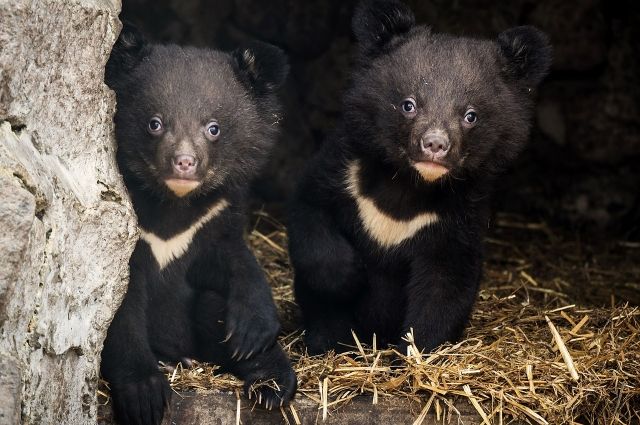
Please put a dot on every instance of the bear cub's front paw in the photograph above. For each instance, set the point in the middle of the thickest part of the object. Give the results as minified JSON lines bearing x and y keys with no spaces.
{"x":141,"y":402}
{"x":272,"y":388}
{"x":250,"y":330}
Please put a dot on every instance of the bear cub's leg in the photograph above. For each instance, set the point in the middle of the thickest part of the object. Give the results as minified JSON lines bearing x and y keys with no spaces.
{"x":329,"y":279}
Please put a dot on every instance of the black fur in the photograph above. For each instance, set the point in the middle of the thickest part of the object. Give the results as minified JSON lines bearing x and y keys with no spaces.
{"x":130,"y":49}
{"x":262,"y":66}
{"x":527,"y":54}
{"x":344,"y":278}
{"x":212,"y":303}
{"x":376,"y":22}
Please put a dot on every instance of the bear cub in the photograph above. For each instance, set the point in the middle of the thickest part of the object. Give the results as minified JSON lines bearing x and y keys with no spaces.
{"x":386,"y":226}
{"x":192,"y":127}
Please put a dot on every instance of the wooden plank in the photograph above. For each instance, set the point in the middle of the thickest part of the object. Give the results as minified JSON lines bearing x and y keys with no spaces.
{"x":221,"y":408}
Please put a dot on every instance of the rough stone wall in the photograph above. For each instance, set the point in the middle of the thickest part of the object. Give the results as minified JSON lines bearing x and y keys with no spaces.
{"x":67,"y":226}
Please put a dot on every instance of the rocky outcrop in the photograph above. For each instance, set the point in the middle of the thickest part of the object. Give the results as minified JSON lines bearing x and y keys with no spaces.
{"x":67,"y":226}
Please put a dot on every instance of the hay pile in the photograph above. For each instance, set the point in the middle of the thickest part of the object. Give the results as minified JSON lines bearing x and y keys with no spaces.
{"x":554,"y":337}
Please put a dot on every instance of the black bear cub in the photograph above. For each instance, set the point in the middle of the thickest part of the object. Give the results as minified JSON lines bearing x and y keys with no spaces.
{"x":192,"y":127}
{"x":386,"y":226}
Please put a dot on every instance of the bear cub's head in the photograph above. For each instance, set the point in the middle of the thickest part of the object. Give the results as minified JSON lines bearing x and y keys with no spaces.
{"x":190,"y":120}
{"x":439,"y":105}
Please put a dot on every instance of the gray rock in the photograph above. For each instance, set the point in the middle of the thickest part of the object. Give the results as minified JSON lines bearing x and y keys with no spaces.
{"x":10,"y":390}
{"x":17,"y":214}
{"x":68,"y":227}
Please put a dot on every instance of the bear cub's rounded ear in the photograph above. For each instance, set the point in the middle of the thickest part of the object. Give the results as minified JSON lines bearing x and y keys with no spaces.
{"x":376,"y":22}
{"x":263,"y":66}
{"x":129,"y":50}
{"x":527,"y":52}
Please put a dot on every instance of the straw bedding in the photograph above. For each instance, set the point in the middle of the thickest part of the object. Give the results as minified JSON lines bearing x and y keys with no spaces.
{"x":554,"y":337}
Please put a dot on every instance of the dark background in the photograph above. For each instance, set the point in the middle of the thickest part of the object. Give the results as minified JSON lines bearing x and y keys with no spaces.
{"x":580,"y":172}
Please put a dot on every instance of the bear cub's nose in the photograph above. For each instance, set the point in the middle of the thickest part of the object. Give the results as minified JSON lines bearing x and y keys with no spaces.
{"x":436,"y":145}
{"x":184,"y":164}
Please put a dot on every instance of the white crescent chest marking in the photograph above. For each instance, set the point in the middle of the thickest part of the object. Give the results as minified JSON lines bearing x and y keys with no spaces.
{"x":382,"y":228}
{"x":165,"y":251}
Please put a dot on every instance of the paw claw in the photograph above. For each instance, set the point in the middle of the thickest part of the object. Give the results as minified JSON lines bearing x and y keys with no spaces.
{"x":270,"y":395}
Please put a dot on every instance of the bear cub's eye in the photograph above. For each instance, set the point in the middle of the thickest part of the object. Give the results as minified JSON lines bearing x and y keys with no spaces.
{"x":155,"y":125}
{"x":470,"y":117}
{"x":212,"y":131}
{"x":408,"y":107}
